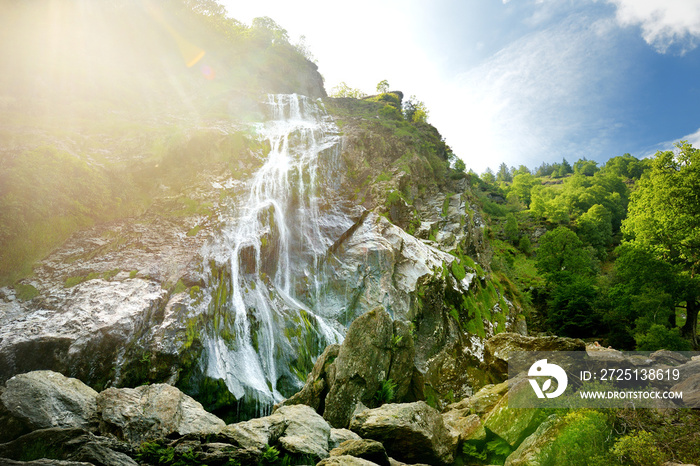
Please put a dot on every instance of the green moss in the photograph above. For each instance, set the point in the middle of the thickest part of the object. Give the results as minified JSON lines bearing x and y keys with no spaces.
{"x":193,"y":231}
{"x":25,"y":292}
{"x":133,"y":273}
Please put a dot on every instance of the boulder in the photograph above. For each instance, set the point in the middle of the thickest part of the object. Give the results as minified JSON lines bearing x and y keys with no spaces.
{"x":345,"y":460}
{"x":43,"y":399}
{"x":513,"y":425}
{"x":367,"y":449}
{"x":499,"y":348}
{"x":152,"y":411}
{"x":307,"y":433}
{"x":690,"y":387}
{"x":376,"y":350}
{"x":532,"y":451}
{"x":410,"y":432}
{"x":338,"y":436}
{"x":297,"y":429}
{"x":70,"y":444}
{"x":465,"y":427}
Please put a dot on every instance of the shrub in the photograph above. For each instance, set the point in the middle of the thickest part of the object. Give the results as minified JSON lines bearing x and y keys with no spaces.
{"x":639,"y":448}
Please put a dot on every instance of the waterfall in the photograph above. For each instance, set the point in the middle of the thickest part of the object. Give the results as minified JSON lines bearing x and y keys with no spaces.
{"x":263,"y":327}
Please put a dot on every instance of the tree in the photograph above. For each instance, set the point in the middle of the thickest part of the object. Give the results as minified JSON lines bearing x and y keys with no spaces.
{"x":586,"y":167}
{"x":460,"y":166}
{"x":504,"y":173}
{"x":664,"y":215}
{"x":595,"y":227}
{"x":522,"y":186}
{"x":488,"y":176}
{"x":415,"y":110}
{"x":383,"y":86}
{"x":561,"y":253}
{"x":511,"y":230}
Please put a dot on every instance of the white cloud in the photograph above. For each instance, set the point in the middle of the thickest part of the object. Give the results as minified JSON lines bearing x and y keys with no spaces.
{"x":665,"y":23}
{"x":540,"y":98}
{"x":693,"y":139}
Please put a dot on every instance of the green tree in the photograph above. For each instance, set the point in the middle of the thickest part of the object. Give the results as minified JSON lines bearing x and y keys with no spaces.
{"x":504,"y":173}
{"x":460,"y":166}
{"x":561,"y":253}
{"x":511,"y":230}
{"x":586,"y":167}
{"x":595,"y":227}
{"x":488,"y":176}
{"x":415,"y":110}
{"x":664,"y":215}
{"x":522,"y":186}
{"x":383,"y":86}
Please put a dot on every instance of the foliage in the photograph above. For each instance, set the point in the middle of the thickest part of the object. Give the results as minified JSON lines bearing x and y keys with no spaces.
{"x":511,"y":230}
{"x":595,"y":228}
{"x":415,"y":110}
{"x":470,"y":451}
{"x":638,"y":448}
{"x":383,"y":86}
{"x":584,"y":441}
{"x":25,"y":292}
{"x":522,"y":186}
{"x":660,"y":337}
{"x":664,"y":215}
{"x":561,"y":253}
{"x":269,"y":456}
{"x":343,"y":90}
{"x":386,"y":392}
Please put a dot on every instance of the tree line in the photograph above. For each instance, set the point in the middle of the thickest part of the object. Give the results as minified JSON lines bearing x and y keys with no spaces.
{"x":621,"y":251}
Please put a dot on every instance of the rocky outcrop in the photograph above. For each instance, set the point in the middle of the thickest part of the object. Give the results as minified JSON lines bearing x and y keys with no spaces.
{"x":43,"y":399}
{"x":377,"y":352}
{"x":410,"y":432}
{"x":499,"y":348}
{"x":152,"y":411}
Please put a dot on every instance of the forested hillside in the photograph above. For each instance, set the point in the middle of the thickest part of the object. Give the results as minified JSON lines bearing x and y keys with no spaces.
{"x":609,"y":252}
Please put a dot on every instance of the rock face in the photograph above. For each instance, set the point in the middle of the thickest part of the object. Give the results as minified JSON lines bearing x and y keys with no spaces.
{"x":43,"y":399}
{"x":410,"y":432}
{"x":376,"y":351}
{"x":152,"y":411}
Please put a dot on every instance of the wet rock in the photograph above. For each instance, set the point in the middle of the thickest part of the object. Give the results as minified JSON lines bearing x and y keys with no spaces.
{"x":152,"y":411}
{"x":43,"y":399}
{"x":319,"y":381}
{"x":370,"y":450}
{"x":410,"y":432}
{"x":363,"y":363}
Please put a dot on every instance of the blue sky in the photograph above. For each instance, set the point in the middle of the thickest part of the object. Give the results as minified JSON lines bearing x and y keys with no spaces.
{"x":518,"y":81}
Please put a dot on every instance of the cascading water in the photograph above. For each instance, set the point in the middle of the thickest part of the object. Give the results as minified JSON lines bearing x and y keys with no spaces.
{"x":263,"y":332}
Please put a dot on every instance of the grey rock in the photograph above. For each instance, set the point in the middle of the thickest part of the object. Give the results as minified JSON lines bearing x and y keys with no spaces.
{"x":152,"y":411}
{"x":513,"y":425}
{"x":338,"y":436}
{"x":410,"y":432}
{"x":345,"y":460}
{"x":43,"y":399}
{"x":367,"y":449}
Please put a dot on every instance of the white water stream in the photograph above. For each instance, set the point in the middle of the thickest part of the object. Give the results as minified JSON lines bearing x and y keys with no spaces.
{"x":273,"y":244}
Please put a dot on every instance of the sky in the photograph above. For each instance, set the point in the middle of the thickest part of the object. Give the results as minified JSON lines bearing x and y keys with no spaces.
{"x":516,"y":81}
